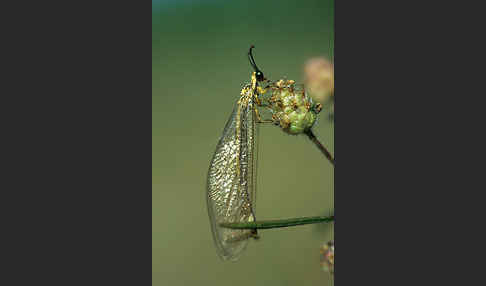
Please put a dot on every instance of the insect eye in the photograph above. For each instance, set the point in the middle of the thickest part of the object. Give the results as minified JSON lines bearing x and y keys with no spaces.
{"x":259,"y":76}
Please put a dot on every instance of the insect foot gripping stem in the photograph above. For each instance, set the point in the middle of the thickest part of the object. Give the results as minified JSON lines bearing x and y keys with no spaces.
{"x":292,"y":109}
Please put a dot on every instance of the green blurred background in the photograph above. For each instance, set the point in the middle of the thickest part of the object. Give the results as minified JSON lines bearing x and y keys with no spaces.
{"x":199,"y":64}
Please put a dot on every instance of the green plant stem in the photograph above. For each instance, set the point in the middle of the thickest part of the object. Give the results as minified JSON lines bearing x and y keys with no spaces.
{"x":265,"y":224}
{"x":319,"y":145}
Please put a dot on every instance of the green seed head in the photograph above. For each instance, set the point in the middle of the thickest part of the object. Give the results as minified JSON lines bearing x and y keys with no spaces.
{"x":293,"y":110}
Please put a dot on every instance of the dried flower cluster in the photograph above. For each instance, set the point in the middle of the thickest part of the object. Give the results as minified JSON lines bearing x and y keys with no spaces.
{"x":327,"y":257}
{"x":292,"y":109}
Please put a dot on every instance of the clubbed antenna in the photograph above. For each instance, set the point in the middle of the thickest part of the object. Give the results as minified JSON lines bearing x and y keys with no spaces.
{"x":258,"y":72}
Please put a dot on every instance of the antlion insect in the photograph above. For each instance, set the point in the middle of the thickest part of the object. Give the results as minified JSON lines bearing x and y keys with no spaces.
{"x":231,"y":184}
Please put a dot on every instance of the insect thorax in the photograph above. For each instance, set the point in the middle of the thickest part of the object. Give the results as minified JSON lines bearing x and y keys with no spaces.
{"x":249,"y":90}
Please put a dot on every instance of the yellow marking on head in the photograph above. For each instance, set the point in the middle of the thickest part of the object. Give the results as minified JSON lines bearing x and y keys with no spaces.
{"x":261,"y":90}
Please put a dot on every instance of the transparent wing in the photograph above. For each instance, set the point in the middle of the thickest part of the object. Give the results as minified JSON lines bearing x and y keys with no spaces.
{"x":231,"y":184}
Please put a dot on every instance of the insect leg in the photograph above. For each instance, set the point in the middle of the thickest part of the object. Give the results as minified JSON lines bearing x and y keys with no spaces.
{"x":260,"y":120}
